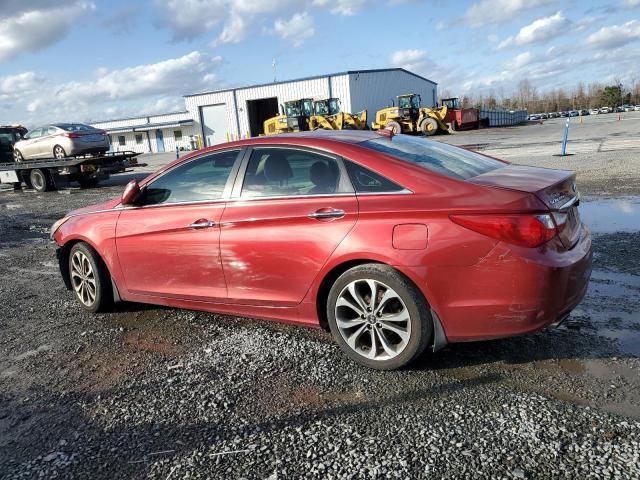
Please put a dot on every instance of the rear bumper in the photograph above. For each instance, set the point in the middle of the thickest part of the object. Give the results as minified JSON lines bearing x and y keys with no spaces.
{"x":512,"y":290}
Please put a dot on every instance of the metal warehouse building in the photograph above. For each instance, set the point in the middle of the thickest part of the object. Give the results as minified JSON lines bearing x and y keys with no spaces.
{"x":155,"y":133}
{"x":239,"y":112}
{"x":223,"y":115}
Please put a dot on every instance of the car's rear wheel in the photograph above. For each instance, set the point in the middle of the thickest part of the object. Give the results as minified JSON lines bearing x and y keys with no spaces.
{"x":58,"y":152}
{"x":90,"y":279}
{"x":378,"y":317}
{"x":17,"y":156}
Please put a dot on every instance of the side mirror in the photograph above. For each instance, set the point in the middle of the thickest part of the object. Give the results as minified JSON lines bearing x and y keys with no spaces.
{"x":131,"y":192}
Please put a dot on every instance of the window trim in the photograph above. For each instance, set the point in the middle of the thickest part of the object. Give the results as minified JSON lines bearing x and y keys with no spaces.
{"x":227,"y":187}
{"x":236,"y":194}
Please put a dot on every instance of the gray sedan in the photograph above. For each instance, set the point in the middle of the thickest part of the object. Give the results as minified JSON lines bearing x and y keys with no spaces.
{"x":61,"y":140}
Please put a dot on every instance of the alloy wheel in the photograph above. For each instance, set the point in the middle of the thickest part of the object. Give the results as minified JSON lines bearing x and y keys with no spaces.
{"x":83,"y":278}
{"x":372,"y":319}
{"x":59,"y":152}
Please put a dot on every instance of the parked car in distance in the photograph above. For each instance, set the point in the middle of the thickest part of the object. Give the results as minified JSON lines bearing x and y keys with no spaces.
{"x":564,"y":114}
{"x":544,"y":116}
{"x":637,"y":108}
{"x":393,"y":243}
{"x":61,"y":140}
{"x":594,"y":111}
{"x":534,"y":116}
{"x":554,"y":115}
{"x":604,"y":110}
{"x":573,"y":113}
{"x":628,"y":108}
{"x":583,"y":112}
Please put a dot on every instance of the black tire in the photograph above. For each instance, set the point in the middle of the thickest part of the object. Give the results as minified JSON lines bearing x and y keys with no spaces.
{"x":419,"y":326}
{"x":39,"y":180}
{"x":17,"y":156}
{"x":88,"y":182}
{"x":58,"y":152}
{"x":103,"y":294}
{"x":429,"y":127}
{"x":394,"y":126}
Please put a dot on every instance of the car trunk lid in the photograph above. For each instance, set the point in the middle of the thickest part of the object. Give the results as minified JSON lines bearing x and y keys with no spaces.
{"x":555,"y":188}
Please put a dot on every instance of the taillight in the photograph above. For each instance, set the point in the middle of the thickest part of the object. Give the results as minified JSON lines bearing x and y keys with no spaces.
{"x":72,"y":135}
{"x":526,"y":230}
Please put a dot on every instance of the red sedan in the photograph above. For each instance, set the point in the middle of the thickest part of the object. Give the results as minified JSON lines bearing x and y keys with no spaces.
{"x":394,"y":243}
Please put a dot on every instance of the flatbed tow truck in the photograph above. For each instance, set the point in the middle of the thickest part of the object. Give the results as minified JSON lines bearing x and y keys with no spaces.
{"x":51,"y":173}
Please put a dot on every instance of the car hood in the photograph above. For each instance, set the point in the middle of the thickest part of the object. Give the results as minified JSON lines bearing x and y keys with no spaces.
{"x":98,"y":207}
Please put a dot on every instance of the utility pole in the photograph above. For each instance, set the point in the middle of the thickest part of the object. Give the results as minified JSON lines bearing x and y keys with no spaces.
{"x":274,"y":66}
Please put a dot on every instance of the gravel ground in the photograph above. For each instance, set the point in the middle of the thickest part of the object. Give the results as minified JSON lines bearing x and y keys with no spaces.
{"x":161,"y":393}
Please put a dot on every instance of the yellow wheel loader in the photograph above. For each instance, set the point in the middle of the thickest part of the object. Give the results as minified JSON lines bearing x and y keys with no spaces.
{"x":328,"y":116}
{"x":410,"y":117}
{"x":293,"y":118}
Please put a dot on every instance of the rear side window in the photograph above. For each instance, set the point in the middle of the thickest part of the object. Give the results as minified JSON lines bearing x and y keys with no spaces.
{"x":277,"y":172}
{"x":367,"y":181}
{"x":439,"y":157}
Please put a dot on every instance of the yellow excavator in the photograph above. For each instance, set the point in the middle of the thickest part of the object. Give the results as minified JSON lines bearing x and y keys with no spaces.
{"x":328,"y":116}
{"x":409,"y":117}
{"x":294,"y":118}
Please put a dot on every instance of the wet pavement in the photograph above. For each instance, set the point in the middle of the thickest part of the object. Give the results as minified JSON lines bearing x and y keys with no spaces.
{"x":611,"y":215}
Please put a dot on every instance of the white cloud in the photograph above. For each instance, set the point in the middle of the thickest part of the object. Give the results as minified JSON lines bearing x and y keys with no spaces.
{"x":409,"y":59}
{"x":615,"y":35}
{"x":297,"y":29}
{"x":540,"y":30}
{"x":19,"y":84}
{"x":188,"y":19}
{"x":32,"y":28}
{"x":151,"y":88}
{"x":341,"y":7}
{"x":498,"y":11}
{"x":522,"y":59}
{"x":631,"y":3}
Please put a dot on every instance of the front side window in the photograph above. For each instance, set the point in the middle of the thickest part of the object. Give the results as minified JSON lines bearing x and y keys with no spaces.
{"x":438,"y":157}
{"x":198,"y":180}
{"x":274,"y":172}
{"x":35,"y":133}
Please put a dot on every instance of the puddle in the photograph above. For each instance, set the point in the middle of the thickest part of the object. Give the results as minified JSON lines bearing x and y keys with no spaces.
{"x":611,"y":215}
{"x":611,"y":306}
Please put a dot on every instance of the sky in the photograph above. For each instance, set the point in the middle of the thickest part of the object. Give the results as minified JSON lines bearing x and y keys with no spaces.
{"x":90,"y":60}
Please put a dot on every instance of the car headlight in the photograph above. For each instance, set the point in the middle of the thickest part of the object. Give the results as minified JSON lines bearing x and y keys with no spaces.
{"x":56,"y":226}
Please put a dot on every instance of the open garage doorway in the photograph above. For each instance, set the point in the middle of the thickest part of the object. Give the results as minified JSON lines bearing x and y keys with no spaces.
{"x":260,"y":110}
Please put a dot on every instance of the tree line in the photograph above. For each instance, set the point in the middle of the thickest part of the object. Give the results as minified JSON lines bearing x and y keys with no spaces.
{"x":582,"y":96}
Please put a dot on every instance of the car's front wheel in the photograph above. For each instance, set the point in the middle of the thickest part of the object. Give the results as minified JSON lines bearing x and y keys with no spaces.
{"x":90,"y":279}
{"x":378,"y":317}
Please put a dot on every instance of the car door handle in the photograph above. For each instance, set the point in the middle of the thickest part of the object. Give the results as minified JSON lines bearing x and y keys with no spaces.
{"x":202,"y":223}
{"x":326,"y":213}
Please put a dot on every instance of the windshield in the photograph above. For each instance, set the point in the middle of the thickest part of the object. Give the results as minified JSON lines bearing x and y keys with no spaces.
{"x":293,"y":109}
{"x":435,"y":156}
{"x":334,"y":106}
{"x":74,"y":127}
{"x":307,"y":108}
{"x":322,"y":108}
{"x":410,"y":101}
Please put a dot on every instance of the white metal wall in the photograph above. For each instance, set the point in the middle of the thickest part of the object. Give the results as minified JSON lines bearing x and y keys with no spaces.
{"x":316,"y":87}
{"x":375,"y":90}
{"x":168,"y":138}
